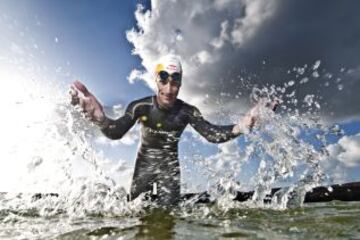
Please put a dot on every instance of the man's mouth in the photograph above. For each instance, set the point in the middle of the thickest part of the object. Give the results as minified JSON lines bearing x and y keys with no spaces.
{"x":167,"y":96}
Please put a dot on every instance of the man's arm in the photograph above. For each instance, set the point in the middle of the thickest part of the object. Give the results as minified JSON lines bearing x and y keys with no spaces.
{"x":93,"y":110}
{"x":116,"y":129}
{"x":219,"y":134}
{"x":212,"y":133}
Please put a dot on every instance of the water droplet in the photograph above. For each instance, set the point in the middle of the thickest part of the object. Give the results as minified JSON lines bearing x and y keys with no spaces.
{"x":300,"y":71}
{"x":315,"y":74}
{"x":178,"y":35}
{"x":328,"y":75}
{"x":304,"y":80}
{"x":316,"y":65}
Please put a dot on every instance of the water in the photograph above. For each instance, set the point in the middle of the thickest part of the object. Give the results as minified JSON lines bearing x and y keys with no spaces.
{"x":94,"y":205}
{"x":334,"y":220}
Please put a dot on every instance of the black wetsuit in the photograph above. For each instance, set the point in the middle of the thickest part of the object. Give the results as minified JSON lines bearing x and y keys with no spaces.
{"x":157,"y":158}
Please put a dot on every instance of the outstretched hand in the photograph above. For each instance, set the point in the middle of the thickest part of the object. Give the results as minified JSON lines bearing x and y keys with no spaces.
{"x":90,"y":106}
{"x":246,"y":124}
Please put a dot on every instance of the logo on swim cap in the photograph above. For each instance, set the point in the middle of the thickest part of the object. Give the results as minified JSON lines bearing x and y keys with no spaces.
{"x":169,"y":63}
{"x":159,"y":68}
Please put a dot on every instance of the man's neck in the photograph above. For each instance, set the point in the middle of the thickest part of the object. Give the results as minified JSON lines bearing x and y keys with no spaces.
{"x":163,"y":106}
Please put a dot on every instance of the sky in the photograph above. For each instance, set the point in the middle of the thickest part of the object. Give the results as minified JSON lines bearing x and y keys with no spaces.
{"x":307,"y":50}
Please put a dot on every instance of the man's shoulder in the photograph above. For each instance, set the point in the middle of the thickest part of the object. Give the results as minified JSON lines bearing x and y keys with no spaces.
{"x":140,"y":104}
{"x":188,"y":108}
{"x":149,"y":100}
{"x":186,"y":105}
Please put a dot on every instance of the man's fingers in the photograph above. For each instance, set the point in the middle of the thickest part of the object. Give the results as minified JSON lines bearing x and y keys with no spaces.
{"x":74,"y":96}
{"x":73,"y":92}
{"x":81,"y":87}
{"x":82,"y":104}
{"x":86,"y":101}
{"x":74,"y":101}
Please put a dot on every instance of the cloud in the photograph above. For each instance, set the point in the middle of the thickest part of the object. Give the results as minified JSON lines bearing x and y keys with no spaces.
{"x":343,"y":160}
{"x":198,"y":34}
{"x":347,"y":150}
{"x":229,"y":46}
{"x":229,"y":158}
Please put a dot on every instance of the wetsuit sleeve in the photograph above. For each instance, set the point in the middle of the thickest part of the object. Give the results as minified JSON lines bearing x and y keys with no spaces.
{"x":212,"y":133}
{"x":116,"y":129}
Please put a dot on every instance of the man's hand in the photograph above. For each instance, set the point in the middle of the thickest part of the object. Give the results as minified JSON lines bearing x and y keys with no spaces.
{"x":91,"y":107}
{"x":246,"y":124}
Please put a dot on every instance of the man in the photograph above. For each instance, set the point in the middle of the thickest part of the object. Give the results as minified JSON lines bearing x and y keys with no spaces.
{"x":163,"y":118}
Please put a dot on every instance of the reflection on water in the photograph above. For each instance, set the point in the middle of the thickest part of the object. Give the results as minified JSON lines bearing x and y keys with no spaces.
{"x":158,"y":224}
{"x":334,"y":220}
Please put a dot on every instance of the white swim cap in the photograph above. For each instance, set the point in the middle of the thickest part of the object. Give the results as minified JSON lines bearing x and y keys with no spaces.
{"x":169,"y":63}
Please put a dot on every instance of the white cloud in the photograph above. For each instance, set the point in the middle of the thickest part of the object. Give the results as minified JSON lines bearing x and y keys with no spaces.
{"x":135,"y":75}
{"x":223,"y":43}
{"x":202,"y":57}
{"x":256,"y":13}
{"x":199,"y":33}
{"x":229,"y":157}
{"x":219,"y":41}
{"x":343,"y":157}
{"x":226,"y":162}
{"x":347,"y":150}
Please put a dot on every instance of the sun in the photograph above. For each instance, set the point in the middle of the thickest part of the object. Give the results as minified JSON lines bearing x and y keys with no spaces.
{"x":25,"y":108}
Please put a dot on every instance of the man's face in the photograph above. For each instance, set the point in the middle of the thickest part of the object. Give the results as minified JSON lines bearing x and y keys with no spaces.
{"x":168,"y":89}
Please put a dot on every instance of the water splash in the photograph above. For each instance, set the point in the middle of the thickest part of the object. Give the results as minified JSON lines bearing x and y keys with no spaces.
{"x":288,"y":147}
{"x":56,"y":143}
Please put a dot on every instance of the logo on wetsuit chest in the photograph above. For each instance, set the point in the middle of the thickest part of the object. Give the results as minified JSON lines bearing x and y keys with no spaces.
{"x":162,"y":132}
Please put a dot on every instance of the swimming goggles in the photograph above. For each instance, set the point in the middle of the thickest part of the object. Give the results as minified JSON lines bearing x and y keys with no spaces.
{"x":164,"y":77}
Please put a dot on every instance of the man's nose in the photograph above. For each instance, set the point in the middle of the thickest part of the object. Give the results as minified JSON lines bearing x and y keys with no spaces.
{"x":167,"y":86}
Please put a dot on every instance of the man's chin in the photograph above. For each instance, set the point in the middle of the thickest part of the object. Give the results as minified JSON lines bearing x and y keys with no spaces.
{"x":168,"y":102}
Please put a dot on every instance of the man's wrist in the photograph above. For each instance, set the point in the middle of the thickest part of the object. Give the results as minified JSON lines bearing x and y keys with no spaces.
{"x":104,"y":123}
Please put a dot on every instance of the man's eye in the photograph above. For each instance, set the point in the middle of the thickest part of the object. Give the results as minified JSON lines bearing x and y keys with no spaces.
{"x":163,"y":81}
